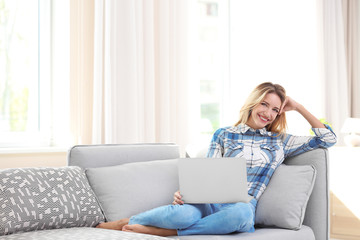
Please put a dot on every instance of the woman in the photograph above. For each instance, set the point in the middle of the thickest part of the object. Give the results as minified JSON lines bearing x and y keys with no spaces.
{"x":259,"y":136}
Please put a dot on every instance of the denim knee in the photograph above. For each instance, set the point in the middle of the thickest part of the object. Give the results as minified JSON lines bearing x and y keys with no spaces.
{"x":184,"y":216}
{"x":169,"y":216}
{"x":243,"y":218}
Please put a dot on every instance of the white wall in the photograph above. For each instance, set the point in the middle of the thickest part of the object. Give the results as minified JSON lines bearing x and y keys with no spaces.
{"x":38,"y":159}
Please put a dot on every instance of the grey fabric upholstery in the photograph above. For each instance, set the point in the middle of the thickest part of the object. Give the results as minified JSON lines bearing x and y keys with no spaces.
{"x":139,"y":187}
{"x":260,"y":234}
{"x":90,"y":156}
{"x":83,"y":233}
{"x":284,"y":201}
{"x":317,"y":211}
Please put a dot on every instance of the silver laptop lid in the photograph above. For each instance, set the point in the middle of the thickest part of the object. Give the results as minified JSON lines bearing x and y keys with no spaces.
{"x":213,"y":180}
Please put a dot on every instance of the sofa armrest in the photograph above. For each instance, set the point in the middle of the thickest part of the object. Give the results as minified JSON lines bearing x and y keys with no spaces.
{"x":317,"y":211}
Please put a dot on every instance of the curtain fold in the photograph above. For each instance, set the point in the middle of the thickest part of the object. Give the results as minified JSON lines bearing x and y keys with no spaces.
{"x":81,"y":76}
{"x":351,"y":16}
{"x":140,"y":72}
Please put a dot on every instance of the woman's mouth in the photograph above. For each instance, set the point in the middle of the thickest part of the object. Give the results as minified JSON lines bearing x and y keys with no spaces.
{"x":263,"y":119}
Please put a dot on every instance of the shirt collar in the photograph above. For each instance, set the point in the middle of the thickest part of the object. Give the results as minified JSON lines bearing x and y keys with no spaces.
{"x":243,"y":128}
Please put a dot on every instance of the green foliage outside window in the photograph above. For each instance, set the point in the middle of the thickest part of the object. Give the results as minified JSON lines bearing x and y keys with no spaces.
{"x":14,"y":94}
{"x":211,"y":111}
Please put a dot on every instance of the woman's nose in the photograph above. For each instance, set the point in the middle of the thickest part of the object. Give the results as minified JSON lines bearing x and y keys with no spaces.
{"x":268,"y":113}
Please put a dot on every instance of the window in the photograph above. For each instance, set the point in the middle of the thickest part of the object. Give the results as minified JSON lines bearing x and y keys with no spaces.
{"x":27,"y":56}
{"x":211,"y":56}
{"x":240,"y":44}
{"x":276,"y":41}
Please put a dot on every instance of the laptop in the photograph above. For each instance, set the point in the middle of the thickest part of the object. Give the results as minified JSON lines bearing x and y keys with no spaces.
{"x":213,"y":180}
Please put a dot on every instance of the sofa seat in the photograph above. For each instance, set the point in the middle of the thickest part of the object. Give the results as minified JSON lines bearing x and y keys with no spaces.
{"x":80,"y":233}
{"x":260,"y":234}
{"x":86,"y":233}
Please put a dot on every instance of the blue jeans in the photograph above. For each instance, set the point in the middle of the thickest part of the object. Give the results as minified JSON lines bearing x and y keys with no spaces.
{"x":191,"y":219}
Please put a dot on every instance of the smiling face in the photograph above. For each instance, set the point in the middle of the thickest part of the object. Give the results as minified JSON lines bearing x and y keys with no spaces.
{"x":265,"y":112}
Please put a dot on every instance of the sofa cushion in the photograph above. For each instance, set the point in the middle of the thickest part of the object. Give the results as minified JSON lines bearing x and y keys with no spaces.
{"x":128,"y":189}
{"x":82,"y":233}
{"x":46,"y":198}
{"x":284,"y":201}
{"x":269,"y":233}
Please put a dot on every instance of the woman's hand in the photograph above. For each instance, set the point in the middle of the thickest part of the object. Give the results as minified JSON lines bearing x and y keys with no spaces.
{"x":177,"y":199}
{"x":289,"y":105}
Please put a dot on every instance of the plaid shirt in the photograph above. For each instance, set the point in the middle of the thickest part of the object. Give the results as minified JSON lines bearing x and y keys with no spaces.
{"x":263,"y":150}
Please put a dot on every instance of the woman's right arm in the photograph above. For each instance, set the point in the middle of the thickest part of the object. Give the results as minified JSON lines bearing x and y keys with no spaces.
{"x":216,"y":148}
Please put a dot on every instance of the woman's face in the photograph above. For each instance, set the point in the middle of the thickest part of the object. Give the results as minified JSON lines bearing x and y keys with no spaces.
{"x":266,"y":112}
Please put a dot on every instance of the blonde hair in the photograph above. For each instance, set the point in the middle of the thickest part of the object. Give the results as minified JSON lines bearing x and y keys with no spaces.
{"x":256,"y":97}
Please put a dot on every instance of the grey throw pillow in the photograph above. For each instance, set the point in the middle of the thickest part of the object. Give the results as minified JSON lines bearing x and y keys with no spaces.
{"x":284,"y":201}
{"x":128,"y":189}
{"x":46,"y":198}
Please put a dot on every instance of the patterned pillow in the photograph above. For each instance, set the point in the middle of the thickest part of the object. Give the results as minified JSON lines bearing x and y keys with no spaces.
{"x":46,"y":198}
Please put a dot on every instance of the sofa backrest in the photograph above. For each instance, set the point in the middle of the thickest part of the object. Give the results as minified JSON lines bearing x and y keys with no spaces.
{"x":105,"y":155}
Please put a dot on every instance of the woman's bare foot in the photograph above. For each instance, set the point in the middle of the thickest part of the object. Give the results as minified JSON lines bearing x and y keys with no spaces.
{"x":115,"y":225}
{"x":149,"y":230}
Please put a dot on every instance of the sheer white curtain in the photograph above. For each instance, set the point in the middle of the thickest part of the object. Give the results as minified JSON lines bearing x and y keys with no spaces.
{"x":337,"y":102}
{"x":340,"y":44}
{"x":140,"y":71}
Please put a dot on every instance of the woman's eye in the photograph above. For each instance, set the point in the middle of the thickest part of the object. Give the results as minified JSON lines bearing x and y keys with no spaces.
{"x":264,"y":104}
{"x":276,"y":110}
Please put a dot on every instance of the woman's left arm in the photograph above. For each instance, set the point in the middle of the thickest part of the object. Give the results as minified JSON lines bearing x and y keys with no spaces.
{"x":324,"y":138}
{"x":290,"y":104}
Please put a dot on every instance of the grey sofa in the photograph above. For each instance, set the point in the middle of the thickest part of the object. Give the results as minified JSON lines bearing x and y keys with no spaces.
{"x":117,"y":174}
